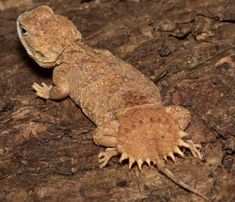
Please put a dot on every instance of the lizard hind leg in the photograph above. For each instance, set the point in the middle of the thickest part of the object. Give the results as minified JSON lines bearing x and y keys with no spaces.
{"x":106,"y":135}
{"x":182,"y":116}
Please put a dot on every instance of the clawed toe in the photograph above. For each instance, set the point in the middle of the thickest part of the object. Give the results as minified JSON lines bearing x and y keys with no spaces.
{"x":194,"y":148}
{"x":42,"y":90}
{"x":103,"y":162}
{"x":104,"y":157}
{"x":198,"y":146}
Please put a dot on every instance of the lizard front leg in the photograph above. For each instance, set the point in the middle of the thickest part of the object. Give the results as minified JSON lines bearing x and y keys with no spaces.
{"x":59,"y":91}
{"x":107,"y":135}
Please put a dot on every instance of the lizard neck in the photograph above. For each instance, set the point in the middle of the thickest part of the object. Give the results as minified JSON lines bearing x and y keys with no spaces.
{"x":75,"y":51}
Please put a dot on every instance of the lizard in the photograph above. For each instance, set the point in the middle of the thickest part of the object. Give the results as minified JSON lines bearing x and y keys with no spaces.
{"x":124,"y":104}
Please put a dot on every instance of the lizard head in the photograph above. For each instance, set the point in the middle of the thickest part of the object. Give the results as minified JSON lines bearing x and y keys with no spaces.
{"x":45,"y":35}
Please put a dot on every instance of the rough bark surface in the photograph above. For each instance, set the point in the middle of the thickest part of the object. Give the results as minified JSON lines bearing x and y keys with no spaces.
{"x":186,"y":47}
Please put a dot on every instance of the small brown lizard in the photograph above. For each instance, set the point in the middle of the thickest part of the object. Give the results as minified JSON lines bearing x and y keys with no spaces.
{"x":124,"y":104}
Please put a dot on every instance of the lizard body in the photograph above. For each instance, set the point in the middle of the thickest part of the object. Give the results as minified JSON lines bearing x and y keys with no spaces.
{"x":124,"y":104}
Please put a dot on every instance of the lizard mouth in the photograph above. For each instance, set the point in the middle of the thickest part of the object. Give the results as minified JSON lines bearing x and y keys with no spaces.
{"x":22,"y":32}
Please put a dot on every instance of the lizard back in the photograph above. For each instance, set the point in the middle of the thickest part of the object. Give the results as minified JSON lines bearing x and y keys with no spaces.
{"x":104,"y":85}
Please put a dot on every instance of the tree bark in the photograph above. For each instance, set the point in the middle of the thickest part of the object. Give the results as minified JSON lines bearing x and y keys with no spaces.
{"x":185,"y":47}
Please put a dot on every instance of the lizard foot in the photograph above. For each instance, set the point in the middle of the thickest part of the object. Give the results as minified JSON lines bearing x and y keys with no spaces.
{"x":194,"y":148}
{"x":42,"y":90}
{"x":105,"y":156}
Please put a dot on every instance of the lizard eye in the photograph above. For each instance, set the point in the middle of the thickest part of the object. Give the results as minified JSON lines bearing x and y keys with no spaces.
{"x":24,"y":32}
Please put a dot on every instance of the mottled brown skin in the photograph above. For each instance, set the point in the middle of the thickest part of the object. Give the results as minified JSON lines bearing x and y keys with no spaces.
{"x":124,"y":104}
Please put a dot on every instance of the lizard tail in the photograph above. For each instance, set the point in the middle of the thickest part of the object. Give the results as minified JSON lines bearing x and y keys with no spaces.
{"x":172,"y":177}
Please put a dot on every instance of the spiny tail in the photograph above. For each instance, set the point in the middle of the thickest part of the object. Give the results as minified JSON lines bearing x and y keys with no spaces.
{"x":172,"y":177}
